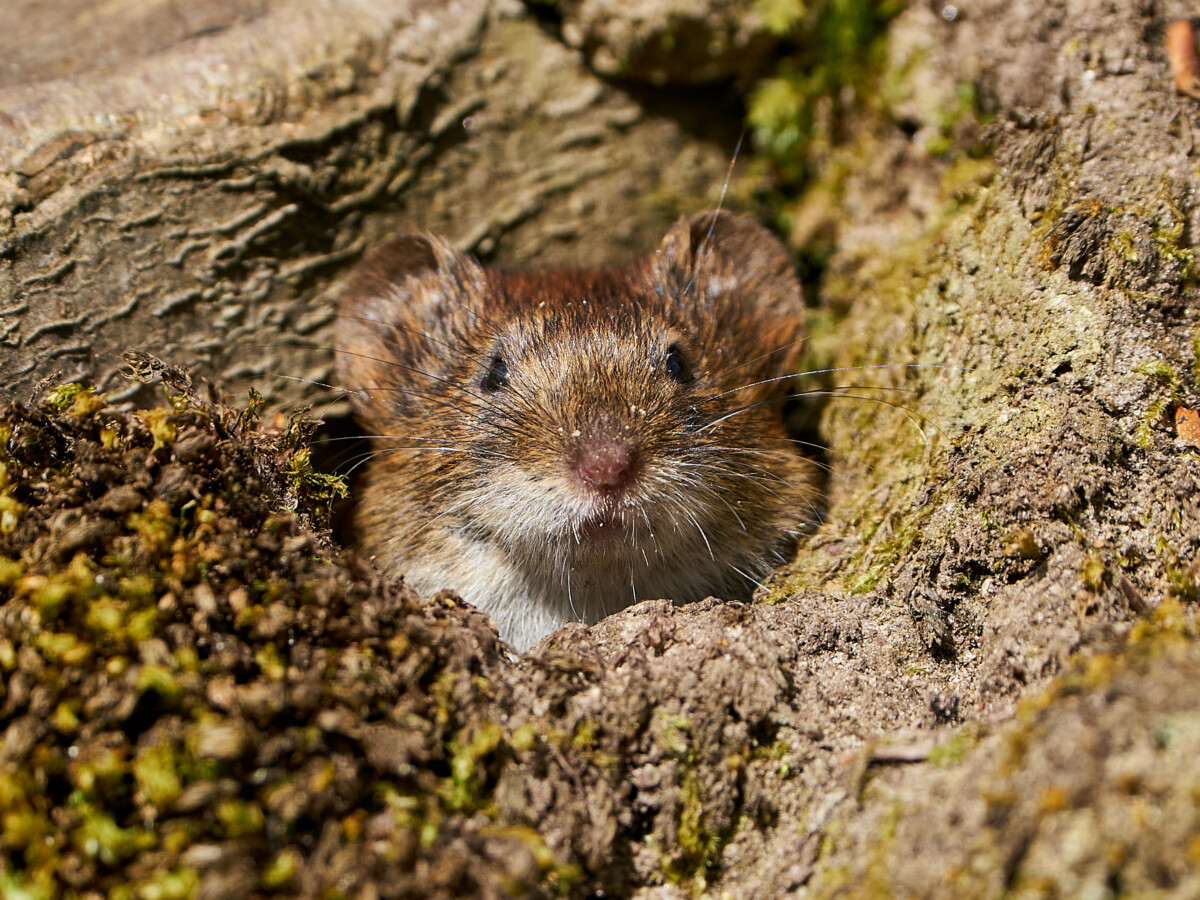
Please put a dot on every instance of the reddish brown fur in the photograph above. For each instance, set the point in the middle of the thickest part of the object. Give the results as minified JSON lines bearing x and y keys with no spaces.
{"x":648,"y":357}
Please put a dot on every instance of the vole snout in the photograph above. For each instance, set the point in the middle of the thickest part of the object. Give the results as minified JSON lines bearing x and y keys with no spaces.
{"x":605,"y":460}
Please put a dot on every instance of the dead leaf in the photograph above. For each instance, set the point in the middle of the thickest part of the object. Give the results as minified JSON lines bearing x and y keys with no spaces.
{"x":1181,"y":51}
{"x":1187,"y":426}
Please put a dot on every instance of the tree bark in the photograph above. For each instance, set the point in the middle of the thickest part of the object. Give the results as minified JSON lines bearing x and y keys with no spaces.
{"x":197,"y":189}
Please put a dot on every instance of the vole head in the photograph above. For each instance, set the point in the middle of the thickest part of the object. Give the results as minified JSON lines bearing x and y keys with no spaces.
{"x":630,"y":417}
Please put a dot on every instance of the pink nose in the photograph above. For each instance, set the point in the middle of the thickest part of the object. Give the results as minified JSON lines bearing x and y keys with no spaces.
{"x":605,"y":462}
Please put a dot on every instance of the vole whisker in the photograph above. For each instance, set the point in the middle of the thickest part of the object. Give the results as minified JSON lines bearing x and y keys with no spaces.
{"x":341,"y":351}
{"x":741,"y":524}
{"x":367,"y":392}
{"x":768,"y":355}
{"x":750,"y":578}
{"x":779,"y":378}
{"x":427,"y":448}
{"x":449,"y":382}
{"x":815,"y":393}
{"x":322,"y":384}
{"x":380,"y":437}
{"x":706,"y":245}
{"x":414,"y":331}
{"x":649,"y":525}
{"x":691,"y":518}
{"x":570,"y":597}
{"x":373,"y":454}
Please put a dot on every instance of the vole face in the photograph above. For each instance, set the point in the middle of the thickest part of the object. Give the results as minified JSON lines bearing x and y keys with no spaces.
{"x":564,"y":443}
{"x":592,"y":429}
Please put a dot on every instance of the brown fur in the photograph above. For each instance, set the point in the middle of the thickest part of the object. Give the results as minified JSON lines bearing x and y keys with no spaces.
{"x":475,"y":489}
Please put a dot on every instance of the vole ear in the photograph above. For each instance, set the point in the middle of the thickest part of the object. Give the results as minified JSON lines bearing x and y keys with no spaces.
{"x":395,"y":315}
{"x":719,"y":258}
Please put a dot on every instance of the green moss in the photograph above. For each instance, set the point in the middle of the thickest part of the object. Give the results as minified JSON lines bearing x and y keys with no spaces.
{"x":700,"y":842}
{"x":25,"y":829}
{"x":1171,"y":236}
{"x":76,"y":399}
{"x":100,"y":837}
{"x":525,"y":738}
{"x":154,"y":526}
{"x":10,"y":513}
{"x":869,"y":579}
{"x":1124,"y":246}
{"x":106,"y":617}
{"x":880,"y":442}
{"x":62,"y":648}
{"x":585,"y":735}
{"x":952,"y":752}
{"x":269,"y":662}
{"x":673,"y":733}
{"x":1169,"y":388}
{"x":965,"y":103}
{"x":100,"y":767}
{"x":1182,"y":583}
{"x":468,"y":776}
{"x":878,"y":875}
{"x":141,"y":625}
{"x":840,"y":44}
{"x":16,"y":886}
{"x":1093,"y":572}
{"x":11,"y":571}
{"x":154,"y":770}
{"x":66,"y":717}
{"x":158,"y":679}
{"x":239,"y":817}
{"x":320,"y":488}
{"x":564,"y":875}
{"x":880,"y":556}
{"x":103,"y":794}
{"x":780,"y":16}
{"x":1196,"y":355}
{"x":1022,"y":544}
{"x":160,"y":423}
{"x":140,"y":588}
{"x":963,"y":180}
{"x":173,"y":884}
{"x":281,"y":871}
{"x":414,"y":813}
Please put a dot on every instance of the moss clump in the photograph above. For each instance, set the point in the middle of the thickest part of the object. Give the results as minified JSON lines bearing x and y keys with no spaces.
{"x":1171,"y":235}
{"x":952,"y":752}
{"x":76,"y":400}
{"x":1093,"y":572}
{"x":322,"y":488}
{"x":166,"y":611}
{"x":839,"y":44}
{"x":1168,"y":389}
{"x":1132,"y":248}
{"x":154,"y":770}
{"x":468,"y":778}
{"x":699,"y":840}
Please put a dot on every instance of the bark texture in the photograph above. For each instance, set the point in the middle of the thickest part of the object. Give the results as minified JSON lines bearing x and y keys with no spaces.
{"x":198,"y":198}
{"x":977,"y":679}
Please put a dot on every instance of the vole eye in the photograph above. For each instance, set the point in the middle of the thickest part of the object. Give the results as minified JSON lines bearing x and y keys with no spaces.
{"x":497,"y":375}
{"x":677,"y":365}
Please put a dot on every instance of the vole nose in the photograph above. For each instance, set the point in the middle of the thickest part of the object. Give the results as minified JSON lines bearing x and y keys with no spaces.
{"x":605,"y":461}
